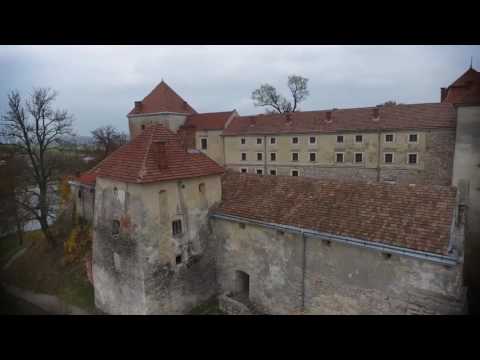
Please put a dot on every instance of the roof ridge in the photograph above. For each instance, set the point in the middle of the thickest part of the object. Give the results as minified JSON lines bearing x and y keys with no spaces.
{"x":143,"y":167}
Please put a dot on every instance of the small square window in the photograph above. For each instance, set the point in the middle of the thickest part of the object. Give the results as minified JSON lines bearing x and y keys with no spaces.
{"x":358,"y":157}
{"x":412,"y":158}
{"x":388,"y":158}
{"x":312,"y":140}
{"x":273,"y":172}
{"x":243,"y":170}
{"x":294,"y":172}
{"x":295,"y":156}
{"x":259,"y":141}
{"x":358,"y":138}
{"x":273,"y":156}
{"x":273,"y":141}
{"x":244,"y":156}
{"x":259,"y":156}
{"x":295,"y":140}
{"x":204,"y":144}
{"x":340,"y":139}
{"x":177,"y":227}
{"x":313,"y":157}
{"x":178,"y":259}
{"x":339,"y":157}
{"x":388,"y":137}
{"x":242,"y":225}
{"x":413,"y":138}
{"x":242,"y":141}
{"x":259,"y":171}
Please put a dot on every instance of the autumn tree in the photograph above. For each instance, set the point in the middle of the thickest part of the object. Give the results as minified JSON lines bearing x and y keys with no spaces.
{"x":34,"y":128}
{"x":108,"y":138}
{"x":268,"y":96}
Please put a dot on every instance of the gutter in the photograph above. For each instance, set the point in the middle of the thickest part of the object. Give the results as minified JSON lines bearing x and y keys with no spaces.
{"x":437,"y":258}
{"x":76,"y":183}
{"x":158,"y":113}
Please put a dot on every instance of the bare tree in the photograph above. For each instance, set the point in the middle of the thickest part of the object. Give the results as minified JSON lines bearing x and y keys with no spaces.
{"x":267,"y":95}
{"x":108,"y":138}
{"x":35,"y":128}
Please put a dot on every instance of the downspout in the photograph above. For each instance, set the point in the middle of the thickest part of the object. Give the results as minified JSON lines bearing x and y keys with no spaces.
{"x":304,"y":258}
{"x":265,"y":154}
{"x":378,"y":156}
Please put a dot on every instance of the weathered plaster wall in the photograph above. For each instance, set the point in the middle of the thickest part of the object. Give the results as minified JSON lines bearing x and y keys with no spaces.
{"x":215,"y":148}
{"x":171,"y":121}
{"x":84,"y":198}
{"x":146,"y":277}
{"x":466,"y":166}
{"x":339,"y":279}
{"x":435,"y":150}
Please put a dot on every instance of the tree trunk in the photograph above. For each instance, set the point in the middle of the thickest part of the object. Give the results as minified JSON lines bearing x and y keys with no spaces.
{"x":44,"y":217}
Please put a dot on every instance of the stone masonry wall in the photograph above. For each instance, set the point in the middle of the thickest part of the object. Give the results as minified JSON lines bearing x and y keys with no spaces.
{"x":339,"y":278}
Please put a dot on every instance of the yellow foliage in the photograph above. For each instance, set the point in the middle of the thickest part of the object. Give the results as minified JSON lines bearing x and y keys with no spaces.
{"x":64,"y":191}
{"x":78,"y":242}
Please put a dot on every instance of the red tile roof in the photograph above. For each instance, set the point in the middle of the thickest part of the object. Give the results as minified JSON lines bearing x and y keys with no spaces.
{"x":415,"y":217}
{"x":163,"y":99}
{"x":136,"y":162}
{"x":209,"y":121}
{"x":414,"y":116}
{"x":465,"y":90}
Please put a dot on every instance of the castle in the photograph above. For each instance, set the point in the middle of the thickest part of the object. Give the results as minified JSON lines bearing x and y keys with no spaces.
{"x":349,"y":211}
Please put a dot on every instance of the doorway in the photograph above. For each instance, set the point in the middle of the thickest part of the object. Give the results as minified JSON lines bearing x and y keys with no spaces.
{"x":242,"y":284}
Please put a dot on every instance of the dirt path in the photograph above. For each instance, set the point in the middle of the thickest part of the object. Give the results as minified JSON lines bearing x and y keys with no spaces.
{"x":48,"y":303}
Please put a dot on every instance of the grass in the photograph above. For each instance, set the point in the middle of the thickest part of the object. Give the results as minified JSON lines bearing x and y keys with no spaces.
{"x":43,"y":270}
{"x":210,"y":307}
{"x":9,"y":244}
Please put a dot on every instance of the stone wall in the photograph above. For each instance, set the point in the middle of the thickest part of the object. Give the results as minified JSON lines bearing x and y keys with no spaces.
{"x":330,"y":277}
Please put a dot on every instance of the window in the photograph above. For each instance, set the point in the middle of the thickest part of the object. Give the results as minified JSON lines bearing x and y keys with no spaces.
{"x":389,"y":138}
{"x":242,"y":141}
{"x":340,"y":139}
{"x":201,"y":188}
{"x":79,"y":194}
{"x":413,"y":138}
{"x":273,"y":172}
{"x":295,"y":140}
{"x":312,"y":140}
{"x":358,"y":138}
{"x":339,"y":157}
{"x":143,"y":127}
{"x":388,"y":158}
{"x":177,"y":227}
{"x":259,"y":156}
{"x":358,"y":157}
{"x":259,"y":171}
{"x":243,"y":170}
{"x":204,"y":144}
{"x":294,"y":172}
{"x":244,"y":156}
{"x":412,"y":158}
{"x":273,"y":156}
{"x":242,"y":225}
{"x":178,"y":259}
{"x":115,"y":227}
{"x":295,"y":156}
{"x":313,"y":156}
{"x":259,"y":141}
{"x":273,"y":141}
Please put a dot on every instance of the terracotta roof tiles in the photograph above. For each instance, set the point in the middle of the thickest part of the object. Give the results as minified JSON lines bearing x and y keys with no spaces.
{"x":415,"y":217}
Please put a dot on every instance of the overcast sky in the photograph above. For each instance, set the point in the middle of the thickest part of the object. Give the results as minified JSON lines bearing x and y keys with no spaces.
{"x":99,"y":84}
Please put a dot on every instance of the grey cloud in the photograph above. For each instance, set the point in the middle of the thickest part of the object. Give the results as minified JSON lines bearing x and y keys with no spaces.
{"x":98,"y":84}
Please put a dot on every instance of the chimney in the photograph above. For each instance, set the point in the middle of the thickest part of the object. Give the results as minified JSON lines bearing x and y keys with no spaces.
{"x":376,"y":113}
{"x":138,"y":106}
{"x":187,"y":136}
{"x":443,"y":94}
{"x":329,"y":116}
{"x":160,"y":154}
